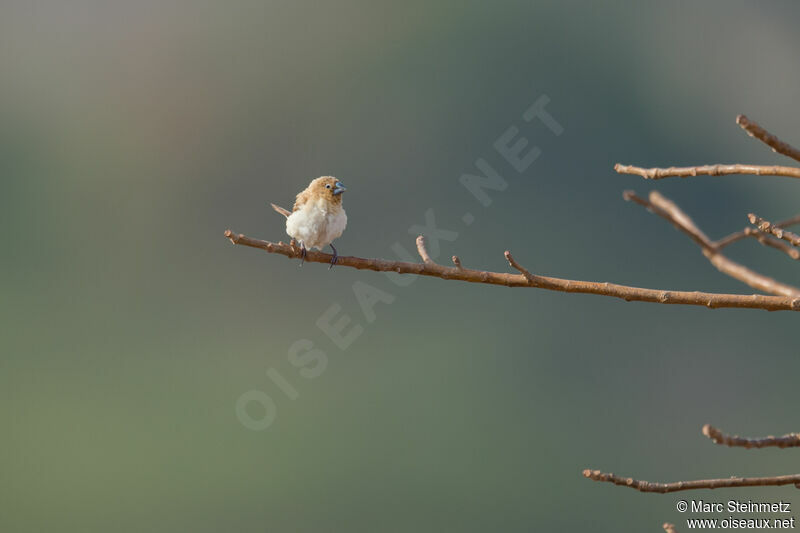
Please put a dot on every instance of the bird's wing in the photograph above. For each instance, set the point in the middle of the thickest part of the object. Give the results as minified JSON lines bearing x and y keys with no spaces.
{"x":301,"y":200}
{"x":281,"y":210}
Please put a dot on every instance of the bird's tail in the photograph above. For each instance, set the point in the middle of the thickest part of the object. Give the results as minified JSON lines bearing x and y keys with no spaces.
{"x":281,"y":210}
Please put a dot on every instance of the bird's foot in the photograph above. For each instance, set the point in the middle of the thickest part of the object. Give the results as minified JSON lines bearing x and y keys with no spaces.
{"x":334,"y":258}
{"x":302,"y":253}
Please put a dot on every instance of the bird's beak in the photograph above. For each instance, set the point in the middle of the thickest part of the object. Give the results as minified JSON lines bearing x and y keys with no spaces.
{"x":338,"y":188}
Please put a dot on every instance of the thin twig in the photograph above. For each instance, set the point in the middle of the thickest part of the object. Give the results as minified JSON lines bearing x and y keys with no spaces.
{"x":777,"y":145}
{"x":668,"y":210}
{"x":747,"y":232}
{"x":768,"y":227}
{"x":772,"y":242}
{"x":518,"y":267}
{"x":627,"y":293}
{"x":708,"y":170}
{"x":669,"y":528}
{"x":457,"y":261}
{"x":423,"y":251}
{"x":790,"y":440}
{"x":663,"y":488}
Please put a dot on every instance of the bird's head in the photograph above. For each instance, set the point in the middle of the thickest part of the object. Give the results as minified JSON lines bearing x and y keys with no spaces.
{"x":329,"y":188}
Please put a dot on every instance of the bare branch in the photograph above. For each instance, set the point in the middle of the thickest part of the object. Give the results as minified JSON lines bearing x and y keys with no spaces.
{"x":457,"y":261}
{"x":663,"y":488}
{"x":517,"y":266}
{"x":669,"y":211}
{"x":669,"y":528}
{"x":777,"y":145}
{"x":423,"y":251}
{"x":748,"y":232}
{"x":772,"y":242}
{"x":627,"y":293}
{"x":791,"y":440}
{"x":768,"y":227}
{"x":708,"y":170}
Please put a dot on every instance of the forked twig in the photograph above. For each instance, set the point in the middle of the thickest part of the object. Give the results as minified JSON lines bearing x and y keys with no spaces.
{"x":768,"y":227}
{"x":669,"y":211}
{"x":772,"y":242}
{"x":749,"y":232}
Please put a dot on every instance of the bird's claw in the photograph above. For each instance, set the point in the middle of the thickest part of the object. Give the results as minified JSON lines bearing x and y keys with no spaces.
{"x":334,"y":258}
{"x":302,"y":253}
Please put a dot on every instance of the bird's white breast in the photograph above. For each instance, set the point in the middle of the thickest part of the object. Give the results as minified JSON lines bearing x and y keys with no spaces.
{"x":316,"y":224}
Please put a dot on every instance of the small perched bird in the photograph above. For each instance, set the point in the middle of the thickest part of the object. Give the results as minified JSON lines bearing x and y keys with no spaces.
{"x":317,"y":217}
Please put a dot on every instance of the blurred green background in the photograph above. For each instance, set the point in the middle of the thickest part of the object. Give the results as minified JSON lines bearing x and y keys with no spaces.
{"x":132,"y":134}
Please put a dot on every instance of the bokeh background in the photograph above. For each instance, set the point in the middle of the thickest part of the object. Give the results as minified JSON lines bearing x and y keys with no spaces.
{"x":132,"y":134}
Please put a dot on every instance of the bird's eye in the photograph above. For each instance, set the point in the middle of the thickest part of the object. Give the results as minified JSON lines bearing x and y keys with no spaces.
{"x":328,"y":186}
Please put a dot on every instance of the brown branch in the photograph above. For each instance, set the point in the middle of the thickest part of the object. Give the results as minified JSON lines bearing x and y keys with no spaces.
{"x":791,"y":440}
{"x":668,"y":210}
{"x":669,"y":528}
{"x":768,"y":227}
{"x":627,"y":293}
{"x":772,"y":242}
{"x":748,"y":232}
{"x":423,"y":251}
{"x":777,"y":145}
{"x":663,"y":488}
{"x":708,"y":170}
{"x":517,"y":266}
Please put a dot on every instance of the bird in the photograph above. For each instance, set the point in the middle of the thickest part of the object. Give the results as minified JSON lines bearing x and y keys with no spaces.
{"x":317,"y":218}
